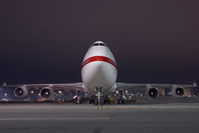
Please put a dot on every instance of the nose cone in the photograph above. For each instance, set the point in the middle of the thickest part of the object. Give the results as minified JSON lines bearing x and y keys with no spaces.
{"x":94,"y":72}
{"x":99,"y":74}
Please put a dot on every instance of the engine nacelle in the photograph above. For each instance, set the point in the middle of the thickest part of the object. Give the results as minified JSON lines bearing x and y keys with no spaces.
{"x":21,"y":92}
{"x":46,"y":93}
{"x":153,"y":93}
{"x":179,"y":91}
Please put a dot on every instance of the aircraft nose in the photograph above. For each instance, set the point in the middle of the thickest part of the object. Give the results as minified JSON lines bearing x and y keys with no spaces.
{"x":99,"y":67}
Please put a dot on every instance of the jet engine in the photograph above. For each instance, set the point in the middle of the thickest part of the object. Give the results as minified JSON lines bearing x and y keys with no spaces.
{"x":46,"y":93}
{"x":21,"y":91}
{"x":179,"y":91}
{"x":153,"y":93}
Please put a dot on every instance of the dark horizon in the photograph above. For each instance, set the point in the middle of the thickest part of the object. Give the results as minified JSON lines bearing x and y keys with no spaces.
{"x":153,"y":41}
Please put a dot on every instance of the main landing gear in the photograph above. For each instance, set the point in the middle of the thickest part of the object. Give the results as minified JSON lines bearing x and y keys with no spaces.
{"x":77,"y":98}
{"x":119,"y":97}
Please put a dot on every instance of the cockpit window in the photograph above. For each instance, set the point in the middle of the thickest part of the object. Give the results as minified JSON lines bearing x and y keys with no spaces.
{"x":98,"y":44}
{"x":95,"y":44}
{"x":101,"y":44}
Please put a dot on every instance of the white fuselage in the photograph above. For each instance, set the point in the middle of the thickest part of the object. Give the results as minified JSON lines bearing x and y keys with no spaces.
{"x":99,"y":69}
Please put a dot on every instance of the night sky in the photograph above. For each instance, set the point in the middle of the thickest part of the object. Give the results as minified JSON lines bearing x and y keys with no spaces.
{"x":44,"y":41}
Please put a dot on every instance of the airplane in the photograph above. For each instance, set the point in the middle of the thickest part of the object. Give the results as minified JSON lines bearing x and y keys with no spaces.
{"x":99,"y":75}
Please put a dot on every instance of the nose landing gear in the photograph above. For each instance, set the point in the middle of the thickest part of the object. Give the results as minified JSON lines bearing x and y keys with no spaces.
{"x":99,"y":99}
{"x":99,"y":90}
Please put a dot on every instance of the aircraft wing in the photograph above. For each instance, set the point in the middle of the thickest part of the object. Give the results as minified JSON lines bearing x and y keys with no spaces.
{"x":153,"y":89}
{"x":65,"y":86}
{"x":133,"y":86}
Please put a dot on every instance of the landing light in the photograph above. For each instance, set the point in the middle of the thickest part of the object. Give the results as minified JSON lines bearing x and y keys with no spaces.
{"x":31,"y":92}
{"x":59,"y":92}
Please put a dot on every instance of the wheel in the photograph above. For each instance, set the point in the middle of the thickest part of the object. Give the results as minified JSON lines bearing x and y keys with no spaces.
{"x":90,"y":101}
{"x":78,"y":101}
{"x":120,"y":101}
{"x":95,"y":101}
{"x":106,"y":101}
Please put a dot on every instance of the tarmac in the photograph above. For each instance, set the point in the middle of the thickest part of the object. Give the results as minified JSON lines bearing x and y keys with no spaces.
{"x":85,"y":118}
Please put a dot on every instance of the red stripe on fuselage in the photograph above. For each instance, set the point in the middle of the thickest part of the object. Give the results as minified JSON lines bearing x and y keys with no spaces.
{"x":99,"y":58}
